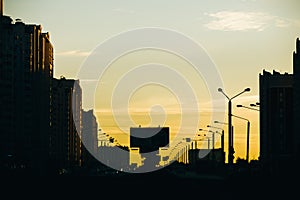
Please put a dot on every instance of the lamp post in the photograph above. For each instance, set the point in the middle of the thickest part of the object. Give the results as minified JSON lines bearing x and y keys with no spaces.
{"x":253,"y":105}
{"x":242,"y":106}
{"x":257,"y":104}
{"x":221,"y":122}
{"x":213,"y":136}
{"x":230,"y":134}
{"x":222,"y":135}
{"x":248,"y":134}
{"x":208,"y":140}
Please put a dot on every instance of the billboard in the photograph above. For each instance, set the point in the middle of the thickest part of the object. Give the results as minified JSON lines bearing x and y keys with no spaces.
{"x":149,"y":139}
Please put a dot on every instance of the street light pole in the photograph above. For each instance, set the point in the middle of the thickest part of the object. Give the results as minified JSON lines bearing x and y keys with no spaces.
{"x":213,"y":136}
{"x":230,"y":132}
{"x":213,"y":141}
{"x":242,"y":106}
{"x":248,"y":136}
{"x":222,"y":135}
{"x":248,"y":124}
{"x":257,"y":104}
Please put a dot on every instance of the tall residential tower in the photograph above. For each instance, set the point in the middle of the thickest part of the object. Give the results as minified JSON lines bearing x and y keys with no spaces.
{"x":296,"y":71}
{"x":66,"y":123}
{"x":26,"y":69}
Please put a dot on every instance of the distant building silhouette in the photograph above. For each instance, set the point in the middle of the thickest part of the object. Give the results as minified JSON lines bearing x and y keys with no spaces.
{"x":66,"y":127}
{"x":89,"y":137}
{"x":26,"y":69}
{"x":276,"y":119}
{"x":206,"y":160}
{"x":115,"y":157}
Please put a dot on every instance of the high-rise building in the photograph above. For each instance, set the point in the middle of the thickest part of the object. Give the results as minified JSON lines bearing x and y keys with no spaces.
{"x":296,"y":71}
{"x":280,"y":116}
{"x":66,"y":123}
{"x":276,"y":119}
{"x":26,"y":69}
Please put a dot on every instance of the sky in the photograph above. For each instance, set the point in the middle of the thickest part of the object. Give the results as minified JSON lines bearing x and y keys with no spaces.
{"x":240,"y":37}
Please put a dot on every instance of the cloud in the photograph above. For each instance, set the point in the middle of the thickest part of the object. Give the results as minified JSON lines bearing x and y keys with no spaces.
{"x":245,"y":21}
{"x":238,"y":21}
{"x":285,"y":22}
{"x":73,"y":53}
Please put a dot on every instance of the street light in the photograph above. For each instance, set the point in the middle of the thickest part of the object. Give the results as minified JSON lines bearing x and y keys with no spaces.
{"x":230,"y":134}
{"x":248,"y":134}
{"x":257,"y":104}
{"x":242,"y":106}
{"x":213,"y":135}
{"x":221,"y":122}
{"x":222,"y":135}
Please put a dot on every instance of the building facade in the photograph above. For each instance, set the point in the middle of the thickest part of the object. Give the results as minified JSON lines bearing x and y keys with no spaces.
{"x":276,"y":119}
{"x":26,"y":69}
{"x":66,"y":124}
{"x":296,"y":71}
{"x":279,"y":117}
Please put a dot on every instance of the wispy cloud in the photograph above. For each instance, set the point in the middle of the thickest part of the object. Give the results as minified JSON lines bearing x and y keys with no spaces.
{"x":73,"y":53}
{"x":245,"y":21}
{"x":285,"y":22}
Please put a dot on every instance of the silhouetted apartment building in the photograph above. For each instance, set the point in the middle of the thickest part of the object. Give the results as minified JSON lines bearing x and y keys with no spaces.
{"x":296,"y":71}
{"x":66,"y":119}
{"x":26,"y":69}
{"x":280,"y":117}
{"x":89,"y":137}
{"x":276,"y":119}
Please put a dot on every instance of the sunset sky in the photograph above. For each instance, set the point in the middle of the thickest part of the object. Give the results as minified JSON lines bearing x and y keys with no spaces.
{"x":241,"y":37}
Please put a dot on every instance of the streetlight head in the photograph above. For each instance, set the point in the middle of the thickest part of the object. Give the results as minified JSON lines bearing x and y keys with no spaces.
{"x":220,"y":90}
{"x":247,"y":90}
{"x":239,"y":105}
